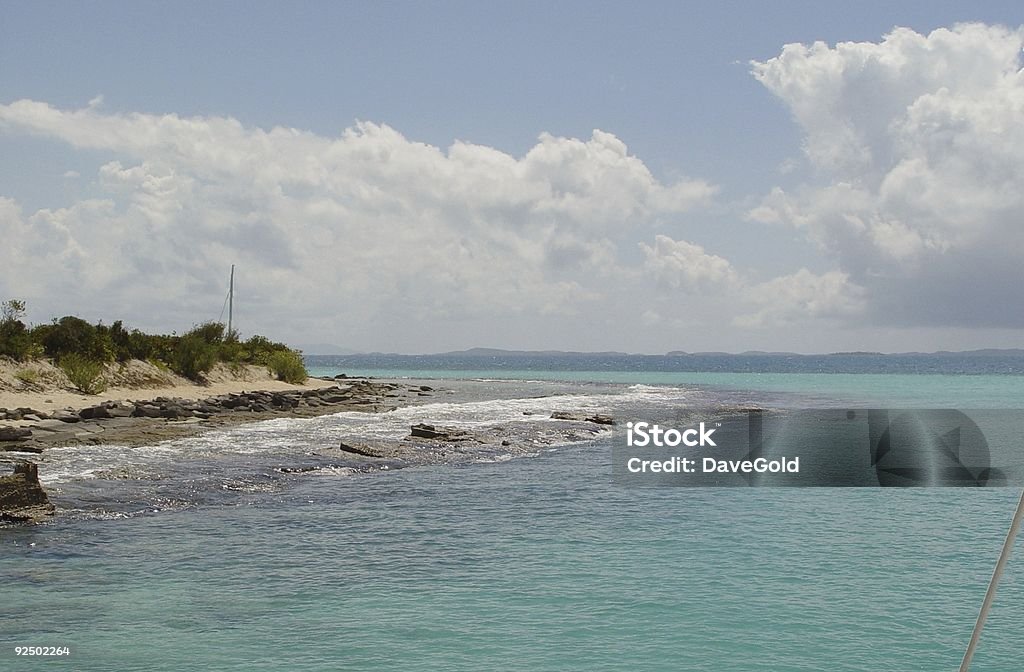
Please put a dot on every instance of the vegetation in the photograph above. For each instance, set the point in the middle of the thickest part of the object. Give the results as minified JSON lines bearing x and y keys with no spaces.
{"x":27,"y":376}
{"x":15,"y":341}
{"x":288,"y":366}
{"x":84,"y":373}
{"x":76,"y":345}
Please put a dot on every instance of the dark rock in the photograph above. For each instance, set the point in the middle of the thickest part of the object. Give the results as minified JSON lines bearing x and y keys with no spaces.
{"x":364,"y":450}
{"x":600,"y":419}
{"x":119,"y":409}
{"x":14,"y":433}
{"x":426,"y":388}
{"x":147,"y":411}
{"x":94,"y":413}
{"x":66,"y":416}
{"x":425,"y":431}
{"x":596,"y":418}
{"x":22,"y":499}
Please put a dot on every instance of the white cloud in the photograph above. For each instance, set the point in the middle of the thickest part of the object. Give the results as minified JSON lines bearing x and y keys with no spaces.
{"x":679,"y":264}
{"x":369,"y":225}
{"x":802,"y":295}
{"x":919,"y":141}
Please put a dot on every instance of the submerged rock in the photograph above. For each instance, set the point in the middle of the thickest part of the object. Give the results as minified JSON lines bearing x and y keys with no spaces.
{"x":596,"y":418}
{"x":425,"y":431}
{"x":14,"y":433}
{"x":22,"y":498}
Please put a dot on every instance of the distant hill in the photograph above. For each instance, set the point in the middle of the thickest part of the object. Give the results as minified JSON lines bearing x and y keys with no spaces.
{"x":498,"y":352}
{"x":326,"y":349}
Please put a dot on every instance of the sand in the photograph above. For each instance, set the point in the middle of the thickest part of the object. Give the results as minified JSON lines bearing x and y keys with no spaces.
{"x":49,"y":390}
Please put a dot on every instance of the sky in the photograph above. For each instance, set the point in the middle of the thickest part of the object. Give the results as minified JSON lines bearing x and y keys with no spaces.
{"x":432,"y":176}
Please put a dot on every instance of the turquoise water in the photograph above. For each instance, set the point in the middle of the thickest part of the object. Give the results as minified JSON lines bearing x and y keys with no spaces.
{"x":533,"y":563}
{"x":907,"y":390}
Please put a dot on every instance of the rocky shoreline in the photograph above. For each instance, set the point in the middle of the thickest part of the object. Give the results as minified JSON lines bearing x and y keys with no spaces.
{"x":134,"y":423}
{"x":138,"y":422}
{"x":22,"y":498}
{"x":150,"y":421}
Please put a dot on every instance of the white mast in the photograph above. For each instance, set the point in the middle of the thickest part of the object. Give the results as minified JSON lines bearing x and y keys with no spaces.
{"x":231,"y":298}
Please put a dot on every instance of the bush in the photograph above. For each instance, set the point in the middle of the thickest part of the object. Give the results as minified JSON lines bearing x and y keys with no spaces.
{"x":15,"y":339}
{"x":27,"y":376}
{"x":84,"y":373}
{"x":287,"y":365}
{"x":193,"y":357}
{"x":74,"y":335}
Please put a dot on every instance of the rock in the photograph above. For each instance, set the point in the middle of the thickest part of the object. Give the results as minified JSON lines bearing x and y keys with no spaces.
{"x":14,"y":433}
{"x":120,"y":409}
{"x":600,"y":419}
{"x":426,"y":388}
{"x":147,"y":411}
{"x":596,"y":418}
{"x":31,"y":417}
{"x":66,"y":416}
{"x":51,"y":425}
{"x":22,"y":498}
{"x":365,"y":451}
{"x":94,"y":413}
{"x":425,"y":431}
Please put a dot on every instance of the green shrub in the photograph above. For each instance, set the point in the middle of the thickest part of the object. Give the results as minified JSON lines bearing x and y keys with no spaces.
{"x":84,"y":373}
{"x":71,"y":334}
{"x":210,"y":332}
{"x":15,"y":340}
{"x":27,"y":376}
{"x":287,"y":365}
{"x":193,"y":357}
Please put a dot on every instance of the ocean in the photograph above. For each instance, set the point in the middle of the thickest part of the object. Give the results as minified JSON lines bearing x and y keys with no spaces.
{"x":260,"y":547}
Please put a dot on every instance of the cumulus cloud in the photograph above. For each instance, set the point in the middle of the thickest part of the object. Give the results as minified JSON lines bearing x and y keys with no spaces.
{"x":919,"y":143}
{"x":679,"y":264}
{"x":363,"y":225}
{"x":800,"y":296}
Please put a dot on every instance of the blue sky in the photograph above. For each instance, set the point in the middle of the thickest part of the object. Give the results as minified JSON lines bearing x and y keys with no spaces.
{"x":744,"y":255}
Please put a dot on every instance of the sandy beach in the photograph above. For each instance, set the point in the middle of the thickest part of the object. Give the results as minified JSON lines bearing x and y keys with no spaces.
{"x":43,"y":387}
{"x":148,"y":404}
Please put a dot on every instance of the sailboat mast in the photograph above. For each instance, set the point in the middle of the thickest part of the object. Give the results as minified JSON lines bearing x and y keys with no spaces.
{"x":231,"y":298}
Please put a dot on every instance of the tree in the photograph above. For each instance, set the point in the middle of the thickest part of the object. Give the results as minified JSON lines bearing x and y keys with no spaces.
{"x":15,"y":340}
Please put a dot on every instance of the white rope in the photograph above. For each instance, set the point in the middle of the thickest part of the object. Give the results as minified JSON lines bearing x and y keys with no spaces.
{"x":990,"y":594}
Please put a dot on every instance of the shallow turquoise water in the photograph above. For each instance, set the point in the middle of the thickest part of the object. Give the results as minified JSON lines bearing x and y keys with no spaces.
{"x":537,"y":563}
{"x":907,"y":390}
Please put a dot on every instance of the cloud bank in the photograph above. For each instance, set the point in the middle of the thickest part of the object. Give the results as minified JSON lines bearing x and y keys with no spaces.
{"x":915,"y":153}
{"x":920,"y":151}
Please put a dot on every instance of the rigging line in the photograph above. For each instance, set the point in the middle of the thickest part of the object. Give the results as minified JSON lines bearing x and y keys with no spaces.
{"x":1004,"y":555}
{"x":224,"y":307}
